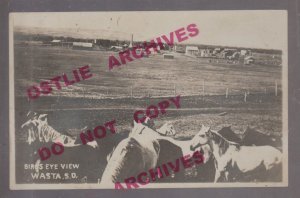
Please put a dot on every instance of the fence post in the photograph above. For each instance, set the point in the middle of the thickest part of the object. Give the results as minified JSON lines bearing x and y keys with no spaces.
{"x":245,"y":97}
{"x":227,"y":92}
{"x":174,"y":90}
{"x":276,"y":88}
{"x":203,"y":88}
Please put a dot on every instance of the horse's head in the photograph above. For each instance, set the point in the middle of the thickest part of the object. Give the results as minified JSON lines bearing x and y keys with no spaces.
{"x":38,"y":130}
{"x":33,"y":125}
{"x":201,"y":138}
{"x":137,"y":128}
{"x":206,"y":152}
{"x":166,"y":129}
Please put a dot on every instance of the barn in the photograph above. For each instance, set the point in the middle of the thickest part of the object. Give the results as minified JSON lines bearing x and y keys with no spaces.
{"x":56,"y":42}
{"x":82,"y":45}
{"x":206,"y":53}
{"x":191,"y":50}
{"x":178,"y":49}
{"x":248,"y":60}
{"x":116,"y":48}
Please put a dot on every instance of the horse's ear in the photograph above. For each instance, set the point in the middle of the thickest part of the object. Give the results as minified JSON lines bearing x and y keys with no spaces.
{"x":207,"y":130}
{"x":134,"y":123}
{"x":110,"y":154}
{"x":202,"y":127}
{"x":147,"y":120}
{"x":246,"y":130}
{"x":43,"y":117}
{"x":31,"y":115}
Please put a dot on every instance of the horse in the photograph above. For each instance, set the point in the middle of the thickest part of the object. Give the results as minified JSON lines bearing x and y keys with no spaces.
{"x":228,"y":133}
{"x":230,"y":156}
{"x":171,"y":149}
{"x":39,"y":134}
{"x":39,"y":131}
{"x":167,"y":129}
{"x":164,"y":134}
{"x":130,"y":156}
{"x":252,"y":137}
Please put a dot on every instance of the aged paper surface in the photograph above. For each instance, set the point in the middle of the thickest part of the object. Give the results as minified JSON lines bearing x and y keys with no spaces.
{"x":139,"y":100}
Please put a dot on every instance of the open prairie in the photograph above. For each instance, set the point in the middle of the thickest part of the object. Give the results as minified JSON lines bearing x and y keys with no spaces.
{"x":117,"y":94}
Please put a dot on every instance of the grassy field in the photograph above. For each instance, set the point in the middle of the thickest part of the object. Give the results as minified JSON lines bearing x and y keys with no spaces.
{"x":152,"y":76}
{"x":107,"y":92}
{"x":107,"y":95}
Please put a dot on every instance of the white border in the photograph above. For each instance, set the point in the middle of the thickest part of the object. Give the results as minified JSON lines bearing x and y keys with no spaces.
{"x":12,"y":174}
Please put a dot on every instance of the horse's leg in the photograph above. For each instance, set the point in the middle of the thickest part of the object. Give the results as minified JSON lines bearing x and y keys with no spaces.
{"x":217,"y":175}
{"x":226,"y":174}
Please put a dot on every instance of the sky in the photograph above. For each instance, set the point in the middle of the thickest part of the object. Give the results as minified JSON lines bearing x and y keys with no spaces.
{"x":265,"y":29}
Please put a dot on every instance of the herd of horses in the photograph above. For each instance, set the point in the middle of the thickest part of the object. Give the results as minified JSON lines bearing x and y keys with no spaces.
{"x":227,"y":158}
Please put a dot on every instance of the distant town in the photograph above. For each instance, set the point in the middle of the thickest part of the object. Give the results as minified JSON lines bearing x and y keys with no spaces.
{"x":238,"y":55}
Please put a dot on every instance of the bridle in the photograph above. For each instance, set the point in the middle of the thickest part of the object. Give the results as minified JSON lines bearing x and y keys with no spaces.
{"x":198,"y":145}
{"x":142,"y":130}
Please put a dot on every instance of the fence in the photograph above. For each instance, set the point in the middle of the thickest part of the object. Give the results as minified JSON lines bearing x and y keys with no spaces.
{"x":205,"y":89}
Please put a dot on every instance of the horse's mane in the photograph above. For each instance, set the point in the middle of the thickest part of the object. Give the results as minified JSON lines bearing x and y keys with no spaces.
{"x":222,"y":142}
{"x":229,"y":134}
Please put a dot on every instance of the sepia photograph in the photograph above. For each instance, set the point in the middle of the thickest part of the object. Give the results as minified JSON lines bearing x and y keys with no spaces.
{"x":148,"y":99}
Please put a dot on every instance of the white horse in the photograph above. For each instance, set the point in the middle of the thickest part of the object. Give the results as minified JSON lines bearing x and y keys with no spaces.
{"x":132,"y":155}
{"x":164,"y":133}
{"x":141,"y":151}
{"x":229,"y":155}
